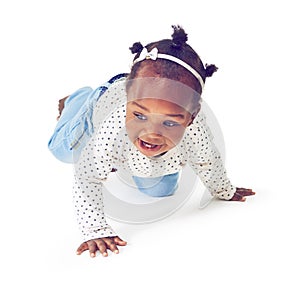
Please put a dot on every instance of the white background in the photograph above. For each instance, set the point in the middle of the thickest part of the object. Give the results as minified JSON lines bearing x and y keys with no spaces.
{"x":226,"y":251}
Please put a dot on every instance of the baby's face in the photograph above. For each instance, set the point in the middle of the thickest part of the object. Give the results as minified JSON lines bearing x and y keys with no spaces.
{"x":155,"y":126}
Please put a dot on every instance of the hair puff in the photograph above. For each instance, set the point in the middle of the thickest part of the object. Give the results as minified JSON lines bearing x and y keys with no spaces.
{"x":209,"y":70}
{"x":136,"y":48}
{"x":179,"y":37}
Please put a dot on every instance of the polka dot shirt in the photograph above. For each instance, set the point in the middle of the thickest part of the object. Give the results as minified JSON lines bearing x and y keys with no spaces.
{"x":110,"y":147}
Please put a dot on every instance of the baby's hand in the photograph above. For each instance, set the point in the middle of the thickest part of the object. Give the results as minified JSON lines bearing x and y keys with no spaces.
{"x":241,"y":193}
{"x":102,"y":245}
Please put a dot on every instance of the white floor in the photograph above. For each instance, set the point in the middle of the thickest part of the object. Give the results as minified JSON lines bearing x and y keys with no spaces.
{"x":227,"y":250}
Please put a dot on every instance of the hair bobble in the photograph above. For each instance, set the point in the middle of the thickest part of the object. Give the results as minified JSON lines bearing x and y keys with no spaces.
{"x":209,"y":70}
{"x":179,"y":37}
{"x":136,"y":48}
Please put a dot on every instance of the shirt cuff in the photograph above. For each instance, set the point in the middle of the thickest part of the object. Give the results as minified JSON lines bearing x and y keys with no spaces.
{"x":226,"y":194}
{"x":98,"y":233}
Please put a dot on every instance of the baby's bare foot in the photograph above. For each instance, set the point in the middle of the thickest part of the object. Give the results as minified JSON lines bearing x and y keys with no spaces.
{"x":61,"y":105}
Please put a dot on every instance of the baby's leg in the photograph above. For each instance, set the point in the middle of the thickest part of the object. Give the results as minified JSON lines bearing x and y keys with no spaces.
{"x":75,"y":125}
{"x":72,"y":128}
{"x":73,"y":105}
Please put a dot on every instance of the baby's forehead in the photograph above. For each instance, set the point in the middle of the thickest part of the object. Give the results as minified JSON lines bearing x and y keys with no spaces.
{"x":164,"y":89}
{"x":160,"y":106}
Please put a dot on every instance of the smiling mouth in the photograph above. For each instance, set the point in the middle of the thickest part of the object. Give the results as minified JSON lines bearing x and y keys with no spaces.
{"x":148,"y":146}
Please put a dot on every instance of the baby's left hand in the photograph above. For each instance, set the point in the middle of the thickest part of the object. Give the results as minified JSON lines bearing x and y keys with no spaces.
{"x":241,"y":193}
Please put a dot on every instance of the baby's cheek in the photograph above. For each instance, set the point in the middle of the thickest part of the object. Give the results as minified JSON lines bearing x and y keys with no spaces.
{"x":175,"y":135}
{"x":132,"y":129}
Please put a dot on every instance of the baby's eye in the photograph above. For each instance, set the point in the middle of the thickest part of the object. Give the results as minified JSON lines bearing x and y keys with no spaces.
{"x":140,"y":116}
{"x":169,"y":123}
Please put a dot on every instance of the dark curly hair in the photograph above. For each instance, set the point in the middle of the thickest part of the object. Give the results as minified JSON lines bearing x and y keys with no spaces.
{"x":178,"y":47}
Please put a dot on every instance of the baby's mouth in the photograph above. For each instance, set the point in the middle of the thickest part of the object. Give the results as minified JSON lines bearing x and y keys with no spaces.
{"x":148,"y":146}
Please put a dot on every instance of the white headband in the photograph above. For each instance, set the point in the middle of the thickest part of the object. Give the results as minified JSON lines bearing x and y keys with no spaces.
{"x":153,"y":55}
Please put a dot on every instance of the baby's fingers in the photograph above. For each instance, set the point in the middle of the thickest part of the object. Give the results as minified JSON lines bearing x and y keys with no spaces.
{"x":83,"y":247}
{"x":245,"y":192}
{"x":238,"y":197}
{"x":111,"y":245}
{"x":101,"y":244}
{"x":93,"y":247}
{"x":241,"y":193}
{"x":119,"y":241}
{"x":102,"y":247}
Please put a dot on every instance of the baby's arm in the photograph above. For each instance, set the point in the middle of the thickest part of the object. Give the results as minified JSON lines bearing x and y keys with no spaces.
{"x":206,"y":161}
{"x":90,"y":171}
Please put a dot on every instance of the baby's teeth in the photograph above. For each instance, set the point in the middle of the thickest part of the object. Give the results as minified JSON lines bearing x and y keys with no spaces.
{"x":148,"y":145}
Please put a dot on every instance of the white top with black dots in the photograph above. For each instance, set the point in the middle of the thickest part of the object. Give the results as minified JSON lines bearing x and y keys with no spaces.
{"x":110,"y":147}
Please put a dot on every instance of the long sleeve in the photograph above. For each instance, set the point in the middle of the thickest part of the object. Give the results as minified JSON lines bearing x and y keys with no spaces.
{"x":92,"y":168}
{"x":97,"y":160}
{"x":206,"y":161}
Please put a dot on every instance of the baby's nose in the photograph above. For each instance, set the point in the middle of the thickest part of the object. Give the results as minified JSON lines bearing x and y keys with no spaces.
{"x":153,"y":129}
{"x":153,"y":137}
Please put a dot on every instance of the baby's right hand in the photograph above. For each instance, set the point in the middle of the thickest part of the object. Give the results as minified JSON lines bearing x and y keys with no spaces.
{"x":101,"y":244}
